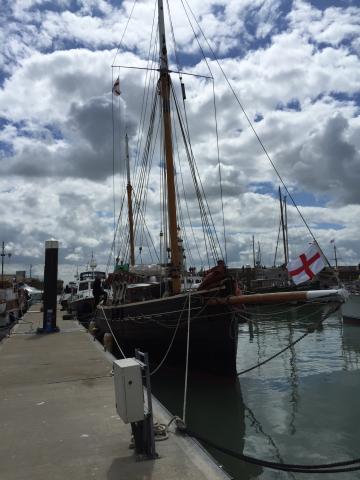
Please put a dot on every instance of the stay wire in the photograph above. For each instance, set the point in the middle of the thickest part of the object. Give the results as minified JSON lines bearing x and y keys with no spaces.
{"x":199,"y":189}
{"x":146,"y":93}
{"x":219,"y":166}
{"x":253,"y":129}
{"x":203,"y":204}
{"x":122,"y":37}
{"x":113,"y":152}
{"x":173,"y":38}
{"x":178,"y":197}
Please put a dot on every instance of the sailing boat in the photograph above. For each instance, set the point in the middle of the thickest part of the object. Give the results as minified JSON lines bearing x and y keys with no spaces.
{"x":151,"y":307}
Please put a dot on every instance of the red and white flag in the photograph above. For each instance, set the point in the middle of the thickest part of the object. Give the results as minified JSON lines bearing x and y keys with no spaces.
{"x":116,"y":87}
{"x":306,"y":265}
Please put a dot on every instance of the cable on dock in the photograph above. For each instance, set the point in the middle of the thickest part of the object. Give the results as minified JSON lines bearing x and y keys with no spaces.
{"x":287,"y":467}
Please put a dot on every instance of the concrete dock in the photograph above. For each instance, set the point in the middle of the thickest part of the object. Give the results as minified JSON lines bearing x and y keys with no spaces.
{"x":58,"y":418}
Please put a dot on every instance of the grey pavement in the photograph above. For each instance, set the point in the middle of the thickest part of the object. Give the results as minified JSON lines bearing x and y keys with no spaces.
{"x":58,"y":417}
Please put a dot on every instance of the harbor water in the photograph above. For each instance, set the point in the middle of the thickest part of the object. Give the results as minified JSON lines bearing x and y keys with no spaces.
{"x":302,"y":407}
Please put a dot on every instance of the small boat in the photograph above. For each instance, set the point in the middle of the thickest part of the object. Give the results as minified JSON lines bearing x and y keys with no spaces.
{"x":80,"y":301}
{"x":33,"y":295}
{"x":13,"y":303}
{"x":351,"y":309}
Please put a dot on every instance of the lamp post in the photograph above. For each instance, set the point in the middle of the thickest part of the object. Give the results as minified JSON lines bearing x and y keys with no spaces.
{"x":3,"y":254}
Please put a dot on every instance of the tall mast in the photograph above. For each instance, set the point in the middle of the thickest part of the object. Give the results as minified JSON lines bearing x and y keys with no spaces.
{"x":170,"y":172}
{"x":253,"y":249}
{"x":335,"y":256}
{"x":130,"y":212}
{"x":286,"y":227}
{"x":92,"y":263}
{"x":283,"y":226}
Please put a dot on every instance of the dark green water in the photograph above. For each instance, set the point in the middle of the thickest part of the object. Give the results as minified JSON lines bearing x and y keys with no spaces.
{"x":302,"y":407}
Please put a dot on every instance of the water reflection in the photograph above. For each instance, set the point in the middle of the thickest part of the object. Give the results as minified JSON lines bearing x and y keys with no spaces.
{"x":215,"y":410}
{"x":302,"y":407}
{"x":351,"y":346}
{"x":302,"y":397}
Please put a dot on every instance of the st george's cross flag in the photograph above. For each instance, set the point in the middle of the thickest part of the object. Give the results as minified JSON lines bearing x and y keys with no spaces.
{"x":306,"y":265}
{"x":116,"y":87}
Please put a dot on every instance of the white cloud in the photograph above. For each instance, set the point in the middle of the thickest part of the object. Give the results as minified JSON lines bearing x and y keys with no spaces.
{"x":333,"y":25}
{"x":58,"y":158}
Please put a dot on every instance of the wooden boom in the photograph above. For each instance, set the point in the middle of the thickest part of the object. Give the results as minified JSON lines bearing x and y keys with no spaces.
{"x":339,"y":295}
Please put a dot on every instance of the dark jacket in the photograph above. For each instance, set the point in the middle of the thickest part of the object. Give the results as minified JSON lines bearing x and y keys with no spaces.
{"x":97,"y":288}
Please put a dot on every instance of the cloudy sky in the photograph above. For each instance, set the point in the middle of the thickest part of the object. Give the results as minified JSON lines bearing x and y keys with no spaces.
{"x":293,"y":64}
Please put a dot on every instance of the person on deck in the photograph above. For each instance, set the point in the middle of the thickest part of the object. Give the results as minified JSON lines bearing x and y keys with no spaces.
{"x":214,"y":276}
{"x":98,"y":291}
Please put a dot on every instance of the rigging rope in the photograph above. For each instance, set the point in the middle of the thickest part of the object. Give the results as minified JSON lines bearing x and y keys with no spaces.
{"x":205,"y":212}
{"x":122,"y":37}
{"x":250,"y":123}
{"x":219,"y":167}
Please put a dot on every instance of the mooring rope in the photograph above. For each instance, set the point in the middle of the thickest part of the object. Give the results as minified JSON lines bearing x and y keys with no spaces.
{"x":172,"y":340}
{"x":311,"y":329}
{"x":112,"y":333}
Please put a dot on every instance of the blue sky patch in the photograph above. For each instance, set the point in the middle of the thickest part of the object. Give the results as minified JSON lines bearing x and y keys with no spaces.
{"x":326,"y":226}
{"x":307,"y":199}
{"x":324,"y":4}
{"x":104,"y":214}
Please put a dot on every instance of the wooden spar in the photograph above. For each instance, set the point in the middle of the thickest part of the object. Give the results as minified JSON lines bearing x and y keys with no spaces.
{"x":279,"y":297}
{"x":130,"y":212}
{"x":170,"y":171}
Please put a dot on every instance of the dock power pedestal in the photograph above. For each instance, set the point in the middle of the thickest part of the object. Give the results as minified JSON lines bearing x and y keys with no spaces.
{"x":129,"y":397}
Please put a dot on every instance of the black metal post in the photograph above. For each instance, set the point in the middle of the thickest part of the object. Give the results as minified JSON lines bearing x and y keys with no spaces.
{"x":2,"y":261}
{"x":50,"y":286}
{"x":143,"y":430}
{"x":3,"y":254}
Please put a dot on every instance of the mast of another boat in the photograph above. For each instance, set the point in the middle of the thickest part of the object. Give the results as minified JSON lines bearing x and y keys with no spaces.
{"x":170,"y":171}
{"x":335,"y":256}
{"x":93,"y":264}
{"x":283,"y":226}
{"x":129,"y":197}
{"x":286,"y":228}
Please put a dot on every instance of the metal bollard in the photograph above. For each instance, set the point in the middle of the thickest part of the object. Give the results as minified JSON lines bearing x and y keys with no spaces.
{"x":108,"y":342}
{"x":92,"y":327}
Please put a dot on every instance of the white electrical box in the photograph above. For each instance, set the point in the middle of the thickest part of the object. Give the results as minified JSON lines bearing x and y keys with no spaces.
{"x":129,"y":393}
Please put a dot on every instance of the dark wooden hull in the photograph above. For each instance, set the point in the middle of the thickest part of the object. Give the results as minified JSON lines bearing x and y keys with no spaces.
{"x":150,"y":326}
